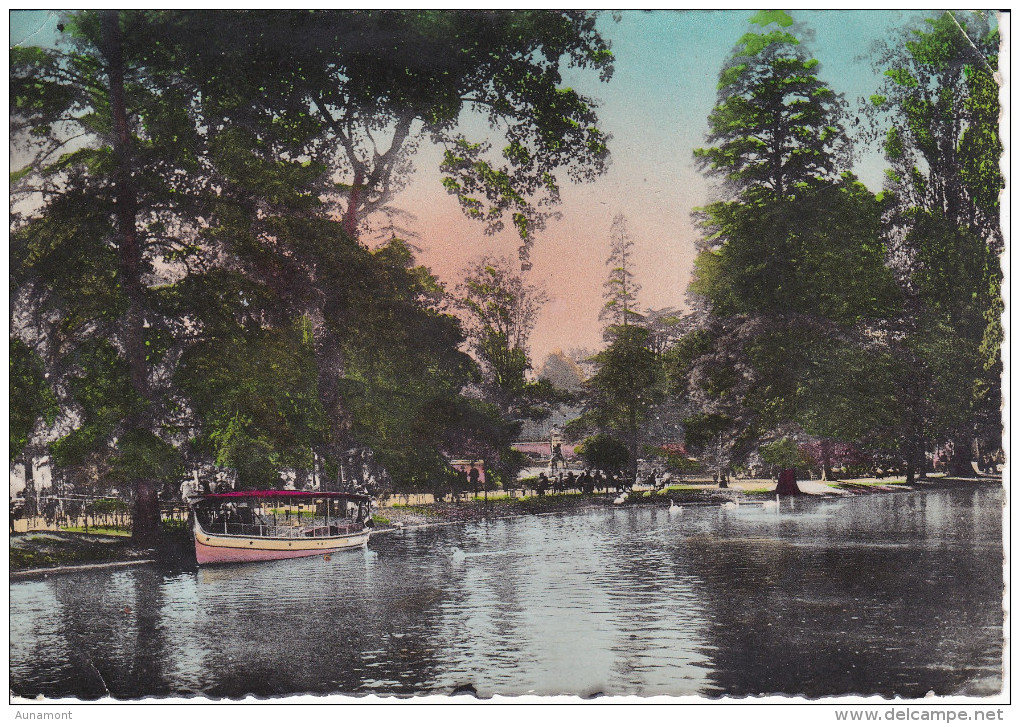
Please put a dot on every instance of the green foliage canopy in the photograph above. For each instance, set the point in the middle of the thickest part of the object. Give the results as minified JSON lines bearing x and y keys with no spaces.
{"x":362,"y":89}
{"x":31,"y":397}
{"x":604,"y":452}
{"x":775,"y":123}
{"x":939,"y":107}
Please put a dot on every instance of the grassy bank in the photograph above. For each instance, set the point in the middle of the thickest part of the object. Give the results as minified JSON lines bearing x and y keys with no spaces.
{"x":51,"y":549}
{"x":480,"y":509}
{"x":682,"y":494}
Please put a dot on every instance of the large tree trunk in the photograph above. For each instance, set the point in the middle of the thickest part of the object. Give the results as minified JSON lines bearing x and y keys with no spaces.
{"x":31,"y":507}
{"x":826,"y":451}
{"x":787,"y":484}
{"x":959,"y":463}
{"x":632,"y":465}
{"x":330,"y":364}
{"x":720,"y":472}
{"x":301,"y":479}
{"x":145,"y":522}
{"x":350,"y":222}
{"x":146,"y":510}
{"x":911,"y":460}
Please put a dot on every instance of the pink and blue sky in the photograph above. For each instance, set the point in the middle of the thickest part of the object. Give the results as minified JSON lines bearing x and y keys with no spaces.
{"x":655,"y":107}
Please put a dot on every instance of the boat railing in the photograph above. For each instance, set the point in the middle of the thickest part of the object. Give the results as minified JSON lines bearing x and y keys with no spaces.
{"x":309,"y":528}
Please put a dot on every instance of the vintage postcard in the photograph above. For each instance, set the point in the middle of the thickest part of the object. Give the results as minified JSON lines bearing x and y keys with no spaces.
{"x":509,"y":356}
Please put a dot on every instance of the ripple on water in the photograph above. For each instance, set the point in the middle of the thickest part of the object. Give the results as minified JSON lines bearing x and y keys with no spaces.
{"x":895,"y":594}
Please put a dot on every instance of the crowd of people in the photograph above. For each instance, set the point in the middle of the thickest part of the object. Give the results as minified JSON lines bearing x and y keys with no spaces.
{"x":595,"y":481}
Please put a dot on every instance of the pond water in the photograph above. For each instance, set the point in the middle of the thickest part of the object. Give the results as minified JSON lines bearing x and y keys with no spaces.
{"x":896,"y":594}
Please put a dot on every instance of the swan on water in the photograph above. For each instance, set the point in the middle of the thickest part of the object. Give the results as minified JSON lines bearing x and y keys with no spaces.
{"x":771,"y":504}
{"x":731,"y":504}
{"x":620,"y":499}
{"x":673,"y":508}
{"x":458,"y":554}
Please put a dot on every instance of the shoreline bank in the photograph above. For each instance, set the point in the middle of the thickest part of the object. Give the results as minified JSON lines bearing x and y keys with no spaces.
{"x":40,"y":553}
{"x":411,"y":517}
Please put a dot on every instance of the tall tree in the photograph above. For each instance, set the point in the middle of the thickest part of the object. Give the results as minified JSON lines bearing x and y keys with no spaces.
{"x":356,"y":93}
{"x":620,"y":308}
{"x":624,"y":391}
{"x":792,"y":262}
{"x":245,"y":160}
{"x":125,"y":202}
{"x":628,"y":380}
{"x":98,"y":215}
{"x":939,"y":107}
{"x":500,"y":310}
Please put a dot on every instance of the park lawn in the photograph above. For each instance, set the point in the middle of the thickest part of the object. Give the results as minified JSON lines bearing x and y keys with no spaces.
{"x":98,"y":531}
{"x":670,"y":489}
{"x":872,"y":483}
{"x":528,"y":502}
{"x":415,"y":509}
{"x":674,"y":494}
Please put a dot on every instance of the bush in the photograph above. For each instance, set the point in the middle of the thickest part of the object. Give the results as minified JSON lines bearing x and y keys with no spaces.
{"x":604,"y":452}
{"x":783,"y":454}
{"x":176,"y":528}
{"x":675,"y":458}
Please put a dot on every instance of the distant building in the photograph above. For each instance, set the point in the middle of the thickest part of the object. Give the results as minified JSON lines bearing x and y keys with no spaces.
{"x":544,"y":449}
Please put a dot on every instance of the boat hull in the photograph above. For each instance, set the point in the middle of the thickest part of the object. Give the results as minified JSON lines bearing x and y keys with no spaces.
{"x":211,"y":549}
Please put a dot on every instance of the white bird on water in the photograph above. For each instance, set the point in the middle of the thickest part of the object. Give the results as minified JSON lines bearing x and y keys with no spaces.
{"x":673,"y":508}
{"x":771,"y":504}
{"x":620,"y":499}
{"x":731,"y":504}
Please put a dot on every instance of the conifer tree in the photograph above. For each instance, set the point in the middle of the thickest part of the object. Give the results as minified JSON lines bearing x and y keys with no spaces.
{"x":620,"y":308}
{"x":792,"y":260}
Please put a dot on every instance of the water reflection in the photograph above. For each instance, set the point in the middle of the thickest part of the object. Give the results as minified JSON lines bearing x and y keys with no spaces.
{"x":318,"y":626}
{"x":859,"y":604}
{"x":895,"y":594}
{"x":93,"y":635}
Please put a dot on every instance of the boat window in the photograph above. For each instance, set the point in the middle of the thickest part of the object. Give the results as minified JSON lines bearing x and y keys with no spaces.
{"x":283,"y":516}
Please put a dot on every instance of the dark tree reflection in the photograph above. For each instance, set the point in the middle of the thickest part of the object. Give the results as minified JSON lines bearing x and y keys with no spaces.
{"x":856,"y":610}
{"x":895,"y":594}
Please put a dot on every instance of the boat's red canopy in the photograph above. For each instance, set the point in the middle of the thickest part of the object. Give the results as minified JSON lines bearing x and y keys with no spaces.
{"x":235,"y":494}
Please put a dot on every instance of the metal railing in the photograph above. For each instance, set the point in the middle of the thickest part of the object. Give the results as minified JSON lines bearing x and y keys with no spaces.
{"x":309,"y":528}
